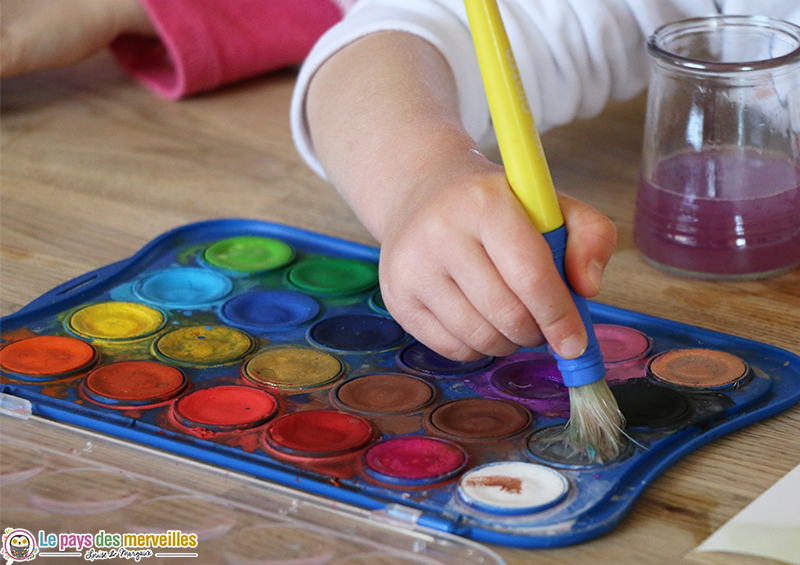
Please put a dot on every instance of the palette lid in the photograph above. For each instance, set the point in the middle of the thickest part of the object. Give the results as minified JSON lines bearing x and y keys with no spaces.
{"x":349,"y":535}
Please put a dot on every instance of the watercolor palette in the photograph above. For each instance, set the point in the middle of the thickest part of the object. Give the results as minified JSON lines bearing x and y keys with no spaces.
{"x":267,"y":350}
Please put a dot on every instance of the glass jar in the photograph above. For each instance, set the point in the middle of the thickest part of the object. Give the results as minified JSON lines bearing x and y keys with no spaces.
{"x":719,"y":193}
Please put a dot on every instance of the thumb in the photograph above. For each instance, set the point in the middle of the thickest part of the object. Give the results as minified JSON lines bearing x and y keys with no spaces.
{"x":591,"y":242}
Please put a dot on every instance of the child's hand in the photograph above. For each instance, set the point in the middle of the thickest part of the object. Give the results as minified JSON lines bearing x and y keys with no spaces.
{"x":464,"y":270}
{"x":37,"y":35}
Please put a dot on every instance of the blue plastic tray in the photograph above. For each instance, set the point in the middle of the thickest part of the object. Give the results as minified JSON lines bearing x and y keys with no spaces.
{"x":597,"y":497}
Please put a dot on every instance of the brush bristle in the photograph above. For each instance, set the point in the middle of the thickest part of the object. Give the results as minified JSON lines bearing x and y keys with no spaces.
{"x":595,"y":425}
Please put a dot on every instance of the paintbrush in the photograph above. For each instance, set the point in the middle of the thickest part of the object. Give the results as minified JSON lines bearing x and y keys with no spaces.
{"x":595,"y":423}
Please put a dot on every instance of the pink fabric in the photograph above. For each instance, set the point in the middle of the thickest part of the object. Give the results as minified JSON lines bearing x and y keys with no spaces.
{"x":204,"y":44}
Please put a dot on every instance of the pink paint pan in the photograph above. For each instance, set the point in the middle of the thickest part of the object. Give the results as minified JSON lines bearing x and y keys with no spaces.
{"x":414,"y":460}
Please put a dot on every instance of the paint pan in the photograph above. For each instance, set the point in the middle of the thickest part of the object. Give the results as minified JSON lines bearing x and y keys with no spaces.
{"x":357,"y":333}
{"x":19,"y":463}
{"x":699,"y":369}
{"x":625,"y":351}
{"x":292,"y":368}
{"x":203,"y":346}
{"x":546,"y":445}
{"x":185,"y":287}
{"x":318,"y":433}
{"x":478,"y":419}
{"x":134,"y":384}
{"x":188,"y":513}
{"x":533,"y":378}
{"x":651,"y":406}
{"x":621,"y":345}
{"x":82,"y":491}
{"x":513,"y":488}
{"x":414,"y":460}
{"x":332,"y":276}
{"x":225,"y":408}
{"x":277,"y":544}
{"x":384,"y":394}
{"x":47,"y":357}
{"x":249,"y":254}
{"x":116,"y":321}
{"x":269,"y":310}
{"x":419,"y":359}
{"x":376,"y":303}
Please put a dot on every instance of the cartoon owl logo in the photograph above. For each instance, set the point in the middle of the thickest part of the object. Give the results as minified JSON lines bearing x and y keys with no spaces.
{"x":18,"y":545}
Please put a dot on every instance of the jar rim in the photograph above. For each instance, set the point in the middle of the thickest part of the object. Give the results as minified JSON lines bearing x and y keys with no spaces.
{"x":656,"y":43}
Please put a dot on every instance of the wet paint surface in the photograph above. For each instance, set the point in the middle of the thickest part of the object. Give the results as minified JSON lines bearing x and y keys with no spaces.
{"x":293,"y":368}
{"x":533,"y":379}
{"x":270,"y":310}
{"x":333,"y":276}
{"x":225,"y":407}
{"x":186,"y":287}
{"x":620,"y":344}
{"x":529,"y":378}
{"x":415,"y":458}
{"x":116,"y":321}
{"x":513,"y":487}
{"x":479,"y":419}
{"x":698,"y":368}
{"x":204,"y":345}
{"x":357,"y":333}
{"x":249,"y":254}
{"x":134,"y":382}
{"x":421,"y":360}
{"x":47,"y":355}
{"x":319,"y":432}
{"x":390,"y":393}
{"x":649,"y":405}
{"x":547,"y":445}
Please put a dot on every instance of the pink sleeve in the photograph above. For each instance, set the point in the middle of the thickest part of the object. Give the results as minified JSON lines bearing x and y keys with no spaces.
{"x":204,"y":44}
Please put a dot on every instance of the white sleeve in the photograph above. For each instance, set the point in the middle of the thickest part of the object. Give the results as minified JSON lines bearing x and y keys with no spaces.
{"x":573,"y":55}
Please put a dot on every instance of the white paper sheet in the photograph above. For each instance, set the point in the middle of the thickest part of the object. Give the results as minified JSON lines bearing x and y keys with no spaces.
{"x":768,"y":527}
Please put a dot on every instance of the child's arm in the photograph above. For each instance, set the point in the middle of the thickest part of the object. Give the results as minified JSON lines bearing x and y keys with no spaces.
{"x":37,"y":35}
{"x":462,"y":267}
{"x":176,"y":47}
{"x":204,"y":44}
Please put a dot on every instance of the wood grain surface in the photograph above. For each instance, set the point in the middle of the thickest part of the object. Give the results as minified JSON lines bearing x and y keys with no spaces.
{"x":94,"y":167}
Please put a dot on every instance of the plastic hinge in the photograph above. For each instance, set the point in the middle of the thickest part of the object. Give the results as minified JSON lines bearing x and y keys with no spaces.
{"x":15,"y":406}
{"x":397,"y":514}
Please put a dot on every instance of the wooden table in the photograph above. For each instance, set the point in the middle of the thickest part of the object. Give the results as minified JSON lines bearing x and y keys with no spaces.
{"x":94,"y":167}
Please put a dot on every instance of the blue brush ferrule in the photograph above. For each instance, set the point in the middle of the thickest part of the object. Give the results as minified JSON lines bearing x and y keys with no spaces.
{"x":589,"y":367}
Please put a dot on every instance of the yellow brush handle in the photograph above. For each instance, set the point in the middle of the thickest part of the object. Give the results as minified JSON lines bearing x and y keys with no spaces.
{"x":520,"y":146}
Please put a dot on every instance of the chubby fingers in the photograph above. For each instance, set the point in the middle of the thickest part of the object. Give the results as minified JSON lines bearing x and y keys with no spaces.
{"x":525,"y":262}
{"x":488,"y":290}
{"x":448,"y":294}
{"x":442,"y":318}
{"x":485,"y":298}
